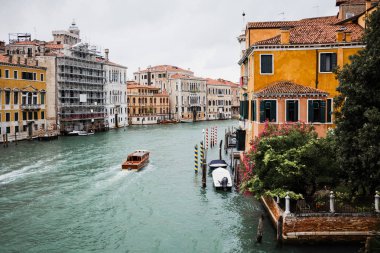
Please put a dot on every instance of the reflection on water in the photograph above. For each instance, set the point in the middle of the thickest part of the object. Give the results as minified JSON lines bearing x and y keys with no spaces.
{"x":71,"y":195}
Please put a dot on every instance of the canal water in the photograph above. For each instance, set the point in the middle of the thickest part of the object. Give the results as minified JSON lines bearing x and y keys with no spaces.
{"x":70,"y":195}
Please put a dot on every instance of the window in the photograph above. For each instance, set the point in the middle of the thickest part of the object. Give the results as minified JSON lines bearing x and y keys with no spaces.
{"x":35,"y":76}
{"x":24,"y":116}
{"x":42,"y":77}
{"x":35,"y":115}
{"x":16,"y":116}
{"x":8,"y":130}
{"x":244,"y":109}
{"x":291,"y":110}
{"x":15,"y":97}
{"x":34,"y":98}
{"x":328,"y":62}
{"x":15,"y":74}
{"x":268,"y":110}
{"x":27,"y":75}
{"x":253,"y":110}
{"x":7,"y":97}
{"x":6,"y":73}
{"x":42,"y":98}
{"x":7,"y":117}
{"x":266,"y":64}
{"x":30,"y":115}
{"x":317,"y":111}
{"x":17,"y":129}
{"x":0,"y":73}
{"x":42,"y":115}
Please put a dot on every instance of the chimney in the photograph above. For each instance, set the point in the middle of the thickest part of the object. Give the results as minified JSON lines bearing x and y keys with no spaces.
{"x":285,"y":35}
{"x":368,"y":4}
{"x":348,"y":36}
{"x":106,"y":52}
{"x":340,"y":34}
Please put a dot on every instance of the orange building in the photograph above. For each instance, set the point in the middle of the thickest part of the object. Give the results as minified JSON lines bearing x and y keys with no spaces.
{"x":287,"y":69}
{"x":146,"y":105}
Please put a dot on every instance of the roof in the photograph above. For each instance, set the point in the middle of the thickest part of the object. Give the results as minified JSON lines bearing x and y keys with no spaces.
{"x":317,"y":34}
{"x":220,"y":82}
{"x":288,"y":89}
{"x":165,"y":68}
{"x":54,"y":46}
{"x":114,"y":64}
{"x":14,"y":61}
{"x":27,"y":42}
{"x":182,"y":76}
{"x":134,"y":85}
{"x":281,"y":24}
{"x":339,"y":2}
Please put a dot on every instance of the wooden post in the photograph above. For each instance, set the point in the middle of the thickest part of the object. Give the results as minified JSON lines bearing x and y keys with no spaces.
{"x":279,"y":229}
{"x":15,"y":138}
{"x":260,"y":229}
{"x":204,"y":173}
{"x":4,"y":140}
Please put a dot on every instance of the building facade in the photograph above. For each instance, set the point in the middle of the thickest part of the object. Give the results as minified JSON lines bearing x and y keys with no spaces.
{"x":22,"y":98}
{"x":287,"y":70}
{"x":235,"y":90}
{"x":115,"y":93}
{"x":187,"y":98}
{"x":219,"y":99}
{"x":146,"y":104}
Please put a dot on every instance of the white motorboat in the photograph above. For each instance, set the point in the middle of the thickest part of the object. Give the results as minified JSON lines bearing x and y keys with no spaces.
{"x":85,"y":133}
{"x":222,"y":179}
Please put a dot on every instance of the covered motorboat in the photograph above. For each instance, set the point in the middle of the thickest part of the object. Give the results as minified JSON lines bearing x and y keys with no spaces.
{"x":222,"y":179}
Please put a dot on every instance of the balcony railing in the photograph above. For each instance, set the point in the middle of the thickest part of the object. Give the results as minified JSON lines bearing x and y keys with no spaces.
{"x":31,"y":106}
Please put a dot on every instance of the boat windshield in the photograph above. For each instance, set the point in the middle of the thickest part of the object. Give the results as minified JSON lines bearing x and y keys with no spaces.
{"x":134,"y":158}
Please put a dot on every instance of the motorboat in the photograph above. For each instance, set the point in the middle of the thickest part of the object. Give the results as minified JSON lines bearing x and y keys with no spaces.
{"x":187,"y":120}
{"x":219,"y":163}
{"x":222,"y":179}
{"x":85,"y":133}
{"x":136,"y":160}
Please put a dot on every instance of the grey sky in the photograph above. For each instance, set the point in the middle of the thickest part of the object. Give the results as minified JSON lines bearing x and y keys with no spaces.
{"x":196,"y":34}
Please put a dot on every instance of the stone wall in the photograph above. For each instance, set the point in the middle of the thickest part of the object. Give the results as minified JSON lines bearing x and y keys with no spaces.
{"x":323,"y":227}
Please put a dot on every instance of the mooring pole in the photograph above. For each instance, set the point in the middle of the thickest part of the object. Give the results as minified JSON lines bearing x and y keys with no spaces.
{"x":260,"y":229}
{"x":196,"y":159}
{"x":204,"y":173}
{"x":15,"y":138}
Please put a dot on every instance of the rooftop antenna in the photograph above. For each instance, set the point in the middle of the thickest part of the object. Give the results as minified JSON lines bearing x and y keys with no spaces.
{"x":283,"y":15}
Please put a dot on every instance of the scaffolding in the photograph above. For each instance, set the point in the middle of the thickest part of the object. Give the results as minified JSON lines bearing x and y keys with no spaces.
{"x":17,"y":37}
{"x":81,"y":98}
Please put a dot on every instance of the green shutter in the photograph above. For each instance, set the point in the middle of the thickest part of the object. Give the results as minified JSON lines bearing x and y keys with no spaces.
{"x":296,"y":110}
{"x":262,"y":111}
{"x":329,"y":110}
{"x":322,"y":63}
{"x":253,"y":110}
{"x":273,"y":110}
{"x":322,"y":109}
{"x":287,"y":111}
{"x":241,"y":109}
{"x":310,"y":111}
{"x":245,"y":106}
{"x":333,"y":61}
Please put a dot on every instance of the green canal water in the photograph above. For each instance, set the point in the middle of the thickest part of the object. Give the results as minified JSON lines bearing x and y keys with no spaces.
{"x":70,"y":195}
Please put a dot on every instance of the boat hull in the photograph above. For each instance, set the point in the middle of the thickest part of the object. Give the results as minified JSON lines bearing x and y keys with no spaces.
{"x":217,"y":176}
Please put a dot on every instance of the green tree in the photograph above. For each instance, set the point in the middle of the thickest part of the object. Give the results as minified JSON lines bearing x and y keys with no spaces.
{"x":358,"y":118}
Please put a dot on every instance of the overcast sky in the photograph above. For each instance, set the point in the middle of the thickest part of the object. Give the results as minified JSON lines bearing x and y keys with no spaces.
{"x":196,"y":34}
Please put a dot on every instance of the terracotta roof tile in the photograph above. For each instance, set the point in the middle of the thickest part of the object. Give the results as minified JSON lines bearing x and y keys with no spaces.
{"x":165,"y":68}
{"x":317,"y":34}
{"x":306,"y":21}
{"x":288,"y":89}
{"x":220,"y":82}
{"x":54,"y":46}
{"x":182,"y":76}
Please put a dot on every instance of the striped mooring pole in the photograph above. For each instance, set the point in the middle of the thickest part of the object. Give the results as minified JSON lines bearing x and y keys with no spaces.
{"x":206,"y":138}
{"x":216,"y":136}
{"x":202,"y":152}
{"x":196,"y":158}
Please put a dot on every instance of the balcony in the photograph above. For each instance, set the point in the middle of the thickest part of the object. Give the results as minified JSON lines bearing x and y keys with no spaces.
{"x":31,"y":107}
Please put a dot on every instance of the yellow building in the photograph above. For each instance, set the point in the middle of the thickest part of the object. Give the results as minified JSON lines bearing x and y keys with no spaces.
{"x":287,"y":70}
{"x":146,"y":105}
{"x":22,"y":98}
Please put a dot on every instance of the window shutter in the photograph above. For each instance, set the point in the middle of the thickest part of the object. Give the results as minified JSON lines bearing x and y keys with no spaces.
{"x":241,"y":109}
{"x":262,"y":111}
{"x":329,"y":110}
{"x":322,"y":109}
{"x":287,"y":111}
{"x":253,"y":110}
{"x":245,"y":105}
{"x":296,"y":110}
{"x":310,"y":111}
{"x":323,"y":63}
{"x":273,"y":110}
{"x":333,"y":61}
{"x":266,"y":64}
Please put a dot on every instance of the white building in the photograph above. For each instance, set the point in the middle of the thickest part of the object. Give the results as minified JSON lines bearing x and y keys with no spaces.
{"x":187,"y":97}
{"x":115,"y":90}
{"x":219,"y":99}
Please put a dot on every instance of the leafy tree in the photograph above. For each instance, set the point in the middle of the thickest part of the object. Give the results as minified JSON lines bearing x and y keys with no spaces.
{"x":358,"y":118}
{"x":290,"y":158}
